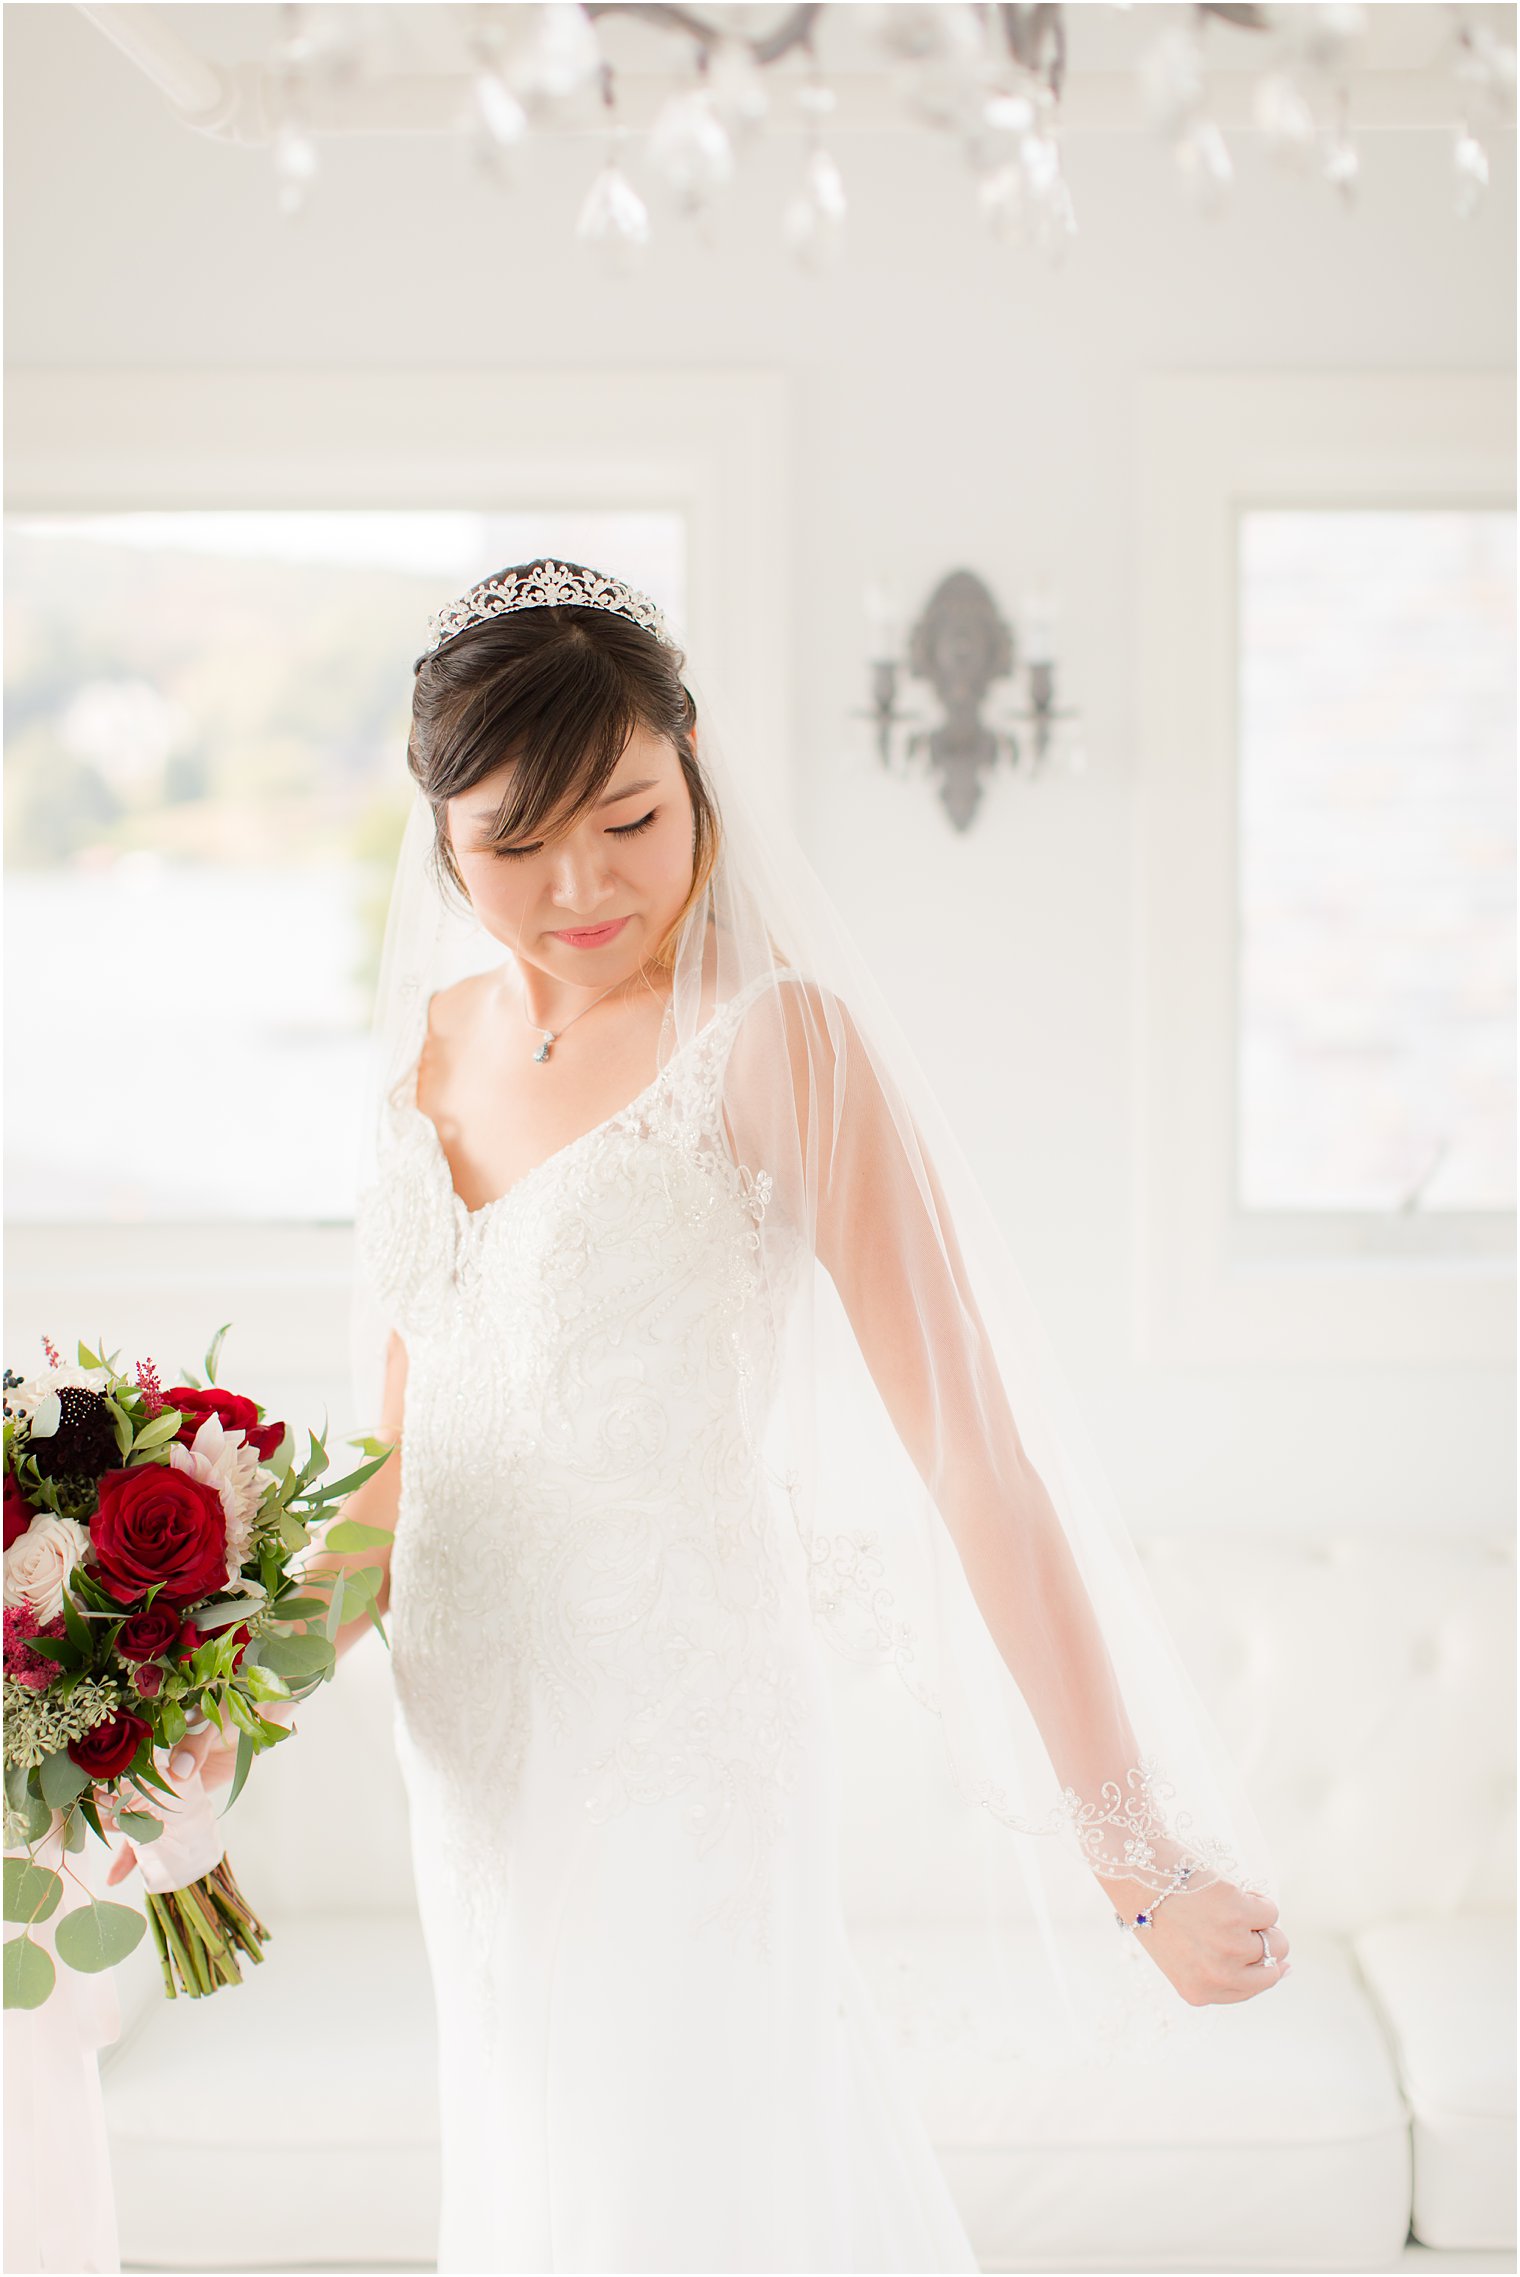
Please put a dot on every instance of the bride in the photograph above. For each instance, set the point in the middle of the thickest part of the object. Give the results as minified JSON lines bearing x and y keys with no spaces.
{"x":620,"y":1174}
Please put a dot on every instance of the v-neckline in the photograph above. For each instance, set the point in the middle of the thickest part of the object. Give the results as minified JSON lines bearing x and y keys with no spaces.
{"x":481,"y":1210}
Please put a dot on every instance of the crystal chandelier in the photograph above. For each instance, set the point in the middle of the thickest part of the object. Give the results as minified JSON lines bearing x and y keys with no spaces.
{"x":992,"y":78}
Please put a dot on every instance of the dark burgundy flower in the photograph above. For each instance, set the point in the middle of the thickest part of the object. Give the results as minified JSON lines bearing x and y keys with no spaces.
{"x":109,"y":1748}
{"x":18,"y":1511}
{"x":236,"y":1413}
{"x":84,"y":1443}
{"x":152,"y":1633}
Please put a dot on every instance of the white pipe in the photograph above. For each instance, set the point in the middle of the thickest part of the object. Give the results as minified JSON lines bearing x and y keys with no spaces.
{"x":234,"y":105}
{"x":196,"y":89}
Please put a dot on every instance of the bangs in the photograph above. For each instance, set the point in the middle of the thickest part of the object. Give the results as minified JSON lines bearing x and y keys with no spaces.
{"x":572,"y":714}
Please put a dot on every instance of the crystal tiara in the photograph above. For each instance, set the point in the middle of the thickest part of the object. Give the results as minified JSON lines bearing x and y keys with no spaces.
{"x":548,"y":583}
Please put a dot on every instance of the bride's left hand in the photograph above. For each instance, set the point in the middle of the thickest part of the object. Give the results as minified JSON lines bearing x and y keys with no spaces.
{"x":1205,"y":1942}
{"x":211,"y":1752}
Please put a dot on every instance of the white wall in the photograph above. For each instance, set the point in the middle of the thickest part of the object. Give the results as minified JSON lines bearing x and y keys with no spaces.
{"x":953,"y":402}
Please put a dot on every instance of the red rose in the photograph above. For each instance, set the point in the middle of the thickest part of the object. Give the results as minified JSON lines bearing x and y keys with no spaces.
{"x":18,"y":1511}
{"x":156,"y":1523}
{"x":236,"y":1412}
{"x":109,"y":1748}
{"x":152,"y":1633}
{"x":148,"y":1679}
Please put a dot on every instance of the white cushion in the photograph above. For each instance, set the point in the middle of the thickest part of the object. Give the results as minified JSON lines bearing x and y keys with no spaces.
{"x":1446,"y":1992}
{"x":289,"y":2121}
{"x":1283,"y":2145}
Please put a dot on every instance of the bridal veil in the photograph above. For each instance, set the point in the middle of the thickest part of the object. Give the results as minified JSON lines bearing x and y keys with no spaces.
{"x":965,"y":1549}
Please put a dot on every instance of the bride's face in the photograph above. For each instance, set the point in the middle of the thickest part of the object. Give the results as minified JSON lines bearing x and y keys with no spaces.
{"x":629,"y":857}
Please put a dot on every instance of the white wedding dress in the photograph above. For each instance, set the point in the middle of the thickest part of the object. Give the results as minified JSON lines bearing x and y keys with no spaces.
{"x":655,"y":2049}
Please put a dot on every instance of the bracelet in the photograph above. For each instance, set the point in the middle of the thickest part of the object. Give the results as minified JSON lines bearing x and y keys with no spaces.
{"x":1144,"y":1917}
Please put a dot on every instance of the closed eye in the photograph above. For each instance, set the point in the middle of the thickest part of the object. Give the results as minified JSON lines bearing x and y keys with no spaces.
{"x":619,"y":830}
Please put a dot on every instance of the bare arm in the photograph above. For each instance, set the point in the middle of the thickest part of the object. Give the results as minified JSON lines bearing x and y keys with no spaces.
{"x":882,"y":1230}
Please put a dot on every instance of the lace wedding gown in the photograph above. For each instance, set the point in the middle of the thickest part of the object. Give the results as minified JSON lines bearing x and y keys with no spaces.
{"x":655,"y":2049}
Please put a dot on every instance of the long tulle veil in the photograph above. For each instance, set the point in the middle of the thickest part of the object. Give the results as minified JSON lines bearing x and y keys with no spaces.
{"x":1013,"y":1711}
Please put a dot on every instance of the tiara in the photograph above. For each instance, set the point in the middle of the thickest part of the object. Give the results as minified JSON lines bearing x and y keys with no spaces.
{"x":549,"y":583}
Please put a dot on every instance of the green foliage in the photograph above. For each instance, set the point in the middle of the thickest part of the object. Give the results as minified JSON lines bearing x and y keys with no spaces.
{"x":98,"y":1935}
{"x":29,"y":1973}
{"x":61,"y":1779}
{"x":356,"y":1534}
{"x":140,"y":1825}
{"x":296,"y":1658}
{"x":31,"y":1892}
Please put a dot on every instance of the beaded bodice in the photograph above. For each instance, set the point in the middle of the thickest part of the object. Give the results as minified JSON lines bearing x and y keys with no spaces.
{"x":589,"y":1553}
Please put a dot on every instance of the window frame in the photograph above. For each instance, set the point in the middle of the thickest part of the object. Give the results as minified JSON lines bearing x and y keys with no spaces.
{"x":717,"y":445}
{"x":1217,"y":1285}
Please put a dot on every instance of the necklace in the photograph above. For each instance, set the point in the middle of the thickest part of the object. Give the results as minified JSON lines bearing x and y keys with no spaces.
{"x":552,"y":1035}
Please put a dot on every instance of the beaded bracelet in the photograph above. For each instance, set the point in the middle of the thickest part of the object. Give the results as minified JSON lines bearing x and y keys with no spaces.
{"x":1144,"y":1917}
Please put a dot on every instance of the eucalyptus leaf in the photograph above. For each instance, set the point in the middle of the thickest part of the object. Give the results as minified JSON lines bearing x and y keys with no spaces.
{"x":140,"y":1825}
{"x":35,"y":1816}
{"x":61,"y":1779}
{"x":29,"y":1973}
{"x":225,"y":1612}
{"x":31,"y":1891}
{"x":295,"y":1658}
{"x":98,"y":1935}
{"x":350,"y":1534}
{"x":299,"y":1608}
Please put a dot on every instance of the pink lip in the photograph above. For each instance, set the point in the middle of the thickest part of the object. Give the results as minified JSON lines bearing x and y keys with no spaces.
{"x":592,"y":936}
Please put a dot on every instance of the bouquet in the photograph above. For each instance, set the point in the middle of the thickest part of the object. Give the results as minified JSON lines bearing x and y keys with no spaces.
{"x":153,"y":1542}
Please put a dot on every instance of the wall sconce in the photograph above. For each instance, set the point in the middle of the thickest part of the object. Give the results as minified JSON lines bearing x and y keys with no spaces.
{"x":959,"y":647}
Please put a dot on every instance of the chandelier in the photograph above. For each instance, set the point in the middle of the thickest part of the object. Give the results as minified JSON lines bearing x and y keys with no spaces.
{"x":993,"y":79}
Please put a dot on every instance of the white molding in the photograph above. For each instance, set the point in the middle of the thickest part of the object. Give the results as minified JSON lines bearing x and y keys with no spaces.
{"x":716,"y":443}
{"x":1211,"y":1290}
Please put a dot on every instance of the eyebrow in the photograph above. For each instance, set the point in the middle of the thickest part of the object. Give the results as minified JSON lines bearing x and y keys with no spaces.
{"x":644,"y":783}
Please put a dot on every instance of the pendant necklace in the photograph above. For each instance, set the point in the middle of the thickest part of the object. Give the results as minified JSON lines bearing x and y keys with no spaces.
{"x":552,"y":1035}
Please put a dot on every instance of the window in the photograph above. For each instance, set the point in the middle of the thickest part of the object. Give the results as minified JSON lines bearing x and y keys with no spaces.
{"x":1326,"y":869}
{"x":1376,"y":849}
{"x":205,"y":787}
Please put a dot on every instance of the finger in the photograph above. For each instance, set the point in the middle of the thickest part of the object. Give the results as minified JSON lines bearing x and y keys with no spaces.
{"x":186,"y":1760}
{"x":122,"y":1864}
{"x":1253,"y":1954}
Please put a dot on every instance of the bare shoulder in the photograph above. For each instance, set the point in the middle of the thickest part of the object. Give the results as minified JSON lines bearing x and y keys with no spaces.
{"x":453,"y":1010}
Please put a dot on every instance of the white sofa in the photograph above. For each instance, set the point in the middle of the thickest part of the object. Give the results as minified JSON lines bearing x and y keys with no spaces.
{"x":1366,"y":2103}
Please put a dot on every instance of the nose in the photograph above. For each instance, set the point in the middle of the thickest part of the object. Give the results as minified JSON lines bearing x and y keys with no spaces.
{"x":578,"y":879}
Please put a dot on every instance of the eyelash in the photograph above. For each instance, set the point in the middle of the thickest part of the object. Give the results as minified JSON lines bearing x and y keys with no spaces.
{"x":617,"y":830}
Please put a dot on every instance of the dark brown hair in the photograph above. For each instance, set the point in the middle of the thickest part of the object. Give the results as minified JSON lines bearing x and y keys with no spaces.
{"x":556,"y":689}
